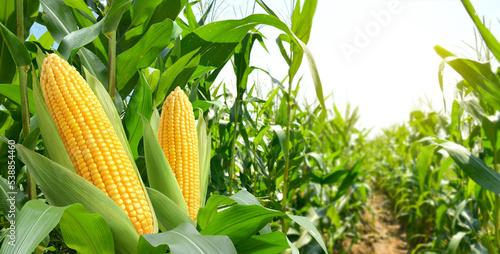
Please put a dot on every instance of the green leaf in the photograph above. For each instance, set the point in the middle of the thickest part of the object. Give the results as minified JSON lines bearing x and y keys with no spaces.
{"x":275,"y":242}
{"x":478,"y":75}
{"x":80,"y":5}
{"x":240,"y":222}
{"x":12,"y":92}
{"x":94,"y":66}
{"x":141,"y":11}
{"x":454,"y":244}
{"x":32,"y":138}
{"x":313,"y":231}
{"x":218,"y":40}
{"x":86,"y":232}
{"x":8,"y":18}
{"x":177,"y":75}
{"x":114,"y":15}
{"x":10,"y":196}
{"x":243,"y":197}
{"x":144,"y":52}
{"x":140,"y":103}
{"x":280,"y":133}
{"x":160,"y":174}
{"x":59,"y":19}
{"x":16,"y":47}
{"x":170,"y":215}
{"x":35,"y":221}
{"x":62,"y":187}
{"x":488,"y":37}
{"x":208,"y":212}
{"x":185,"y":239}
{"x":168,"y":9}
{"x":424,"y":160}
{"x":475,"y":168}
{"x":79,"y":38}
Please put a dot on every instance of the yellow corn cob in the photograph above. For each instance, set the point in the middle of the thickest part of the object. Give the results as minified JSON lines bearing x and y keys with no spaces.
{"x":90,"y":140}
{"x":179,"y":141}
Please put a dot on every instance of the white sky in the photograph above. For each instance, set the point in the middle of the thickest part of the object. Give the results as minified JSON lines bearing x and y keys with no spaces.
{"x":395,"y":69}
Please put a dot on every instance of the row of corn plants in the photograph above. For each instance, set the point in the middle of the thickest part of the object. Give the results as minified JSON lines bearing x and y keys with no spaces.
{"x":440,"y":170}
{"x":116,"y":138}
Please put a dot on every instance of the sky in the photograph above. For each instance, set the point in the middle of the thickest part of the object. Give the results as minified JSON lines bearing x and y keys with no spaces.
{"x":376,"y":54}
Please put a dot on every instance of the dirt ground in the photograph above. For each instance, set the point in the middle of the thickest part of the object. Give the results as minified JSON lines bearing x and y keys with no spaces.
{"x":383,"y":235}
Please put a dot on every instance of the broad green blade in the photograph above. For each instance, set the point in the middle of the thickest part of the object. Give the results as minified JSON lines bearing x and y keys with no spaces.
{"x":475,"y":168}
{"x":243,"y":197}
{"x":208,"y":212}
{"x":313,"y":231}
{"x":488,"y":37}
{"x":12,"y":92}
{"x":160,"y":175}
{"x":240,"y":222}
{"x":139,"y":104}
{"x":275,"y":242}
{"x":169,"y":214}
{"x":86,"y":232}
{"x":16,"y":47}
{"x":185,"y":239}
{"x":35,"y":221}
{"x":10,"y":197}
{"x":79,"y":38}
{"x":62,"y":187}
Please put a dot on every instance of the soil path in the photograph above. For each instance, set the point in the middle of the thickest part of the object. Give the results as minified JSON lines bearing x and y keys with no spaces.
{"x":383,"y":234}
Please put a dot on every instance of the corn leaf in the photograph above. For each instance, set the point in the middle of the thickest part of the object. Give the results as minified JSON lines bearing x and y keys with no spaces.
{"x":170,"y":215}
{"x":311,"y":229}
{"x":16,"y":47}
{"x":143,"y":53}
{"x":243,"y":197}
{"x":208,"y":212}
{"x":177,"y":74}
{"x":12,"y":92}
{"x":160,"y":175}
{"x":275,"y":242}
{"x":475,"y":168}
{"x":240,"y":222}
{"x":79,"y":38}
{"x":114,"y":15}
{"x":59,"y":17}
{"x":86,"y":232}
{"x":62,"y":187}
{"x":185,"y":239}
{"x":140,"y":103}
{"x":218,"y":40}
{"x":488,"y":37}
{"x":10,"y":197}
{"x":35,"y":221}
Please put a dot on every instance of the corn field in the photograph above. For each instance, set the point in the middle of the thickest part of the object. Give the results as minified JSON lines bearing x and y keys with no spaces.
{"x":118,"y":135}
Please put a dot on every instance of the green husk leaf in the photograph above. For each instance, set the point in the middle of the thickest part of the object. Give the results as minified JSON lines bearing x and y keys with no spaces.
{"x":62,"y":187}
{"x":160,"y":175}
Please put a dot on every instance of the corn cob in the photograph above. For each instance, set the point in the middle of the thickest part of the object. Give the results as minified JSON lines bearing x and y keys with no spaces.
{"x":179,"y":141}
{"x":90,"y":140}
